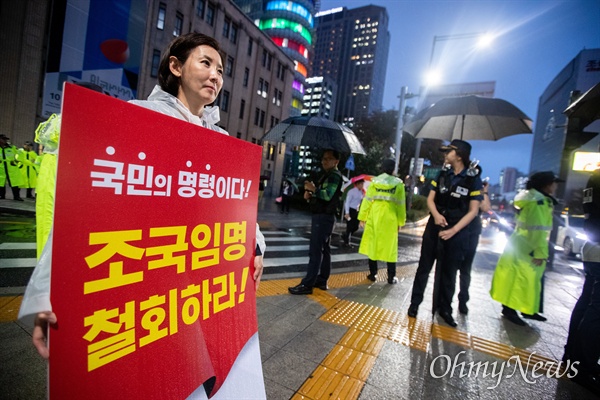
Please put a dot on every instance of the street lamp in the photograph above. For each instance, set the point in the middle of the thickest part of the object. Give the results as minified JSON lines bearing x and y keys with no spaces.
{"x":435,"y":77}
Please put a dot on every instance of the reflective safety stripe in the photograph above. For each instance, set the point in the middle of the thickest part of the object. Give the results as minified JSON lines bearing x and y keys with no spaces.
{"x":534,"y":227}
{"x":434,"y":183}
{"x":475,"y":193}
{"x":385,"y":198}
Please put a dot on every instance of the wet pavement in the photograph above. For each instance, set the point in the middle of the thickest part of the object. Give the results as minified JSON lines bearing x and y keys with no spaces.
{"x":355,"y":341}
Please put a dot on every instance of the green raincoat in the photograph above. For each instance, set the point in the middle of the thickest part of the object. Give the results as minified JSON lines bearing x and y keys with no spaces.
{"x":517,"y":282}
{"x":384,"y":211}
{"x":8,"y":158}
{"x":29,"y":168}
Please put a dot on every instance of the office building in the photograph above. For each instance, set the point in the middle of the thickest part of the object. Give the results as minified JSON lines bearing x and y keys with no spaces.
{"x":555,"y":139}
{"x":319,"y":97}
{"x":352,"y":48}
{"x":290,"y":25}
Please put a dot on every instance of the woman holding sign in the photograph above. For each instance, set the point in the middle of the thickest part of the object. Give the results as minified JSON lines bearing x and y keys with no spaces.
{"x":190,"y":79}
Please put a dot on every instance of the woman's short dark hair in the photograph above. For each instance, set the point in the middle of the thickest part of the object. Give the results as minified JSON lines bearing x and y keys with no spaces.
{"x":181,"y":48}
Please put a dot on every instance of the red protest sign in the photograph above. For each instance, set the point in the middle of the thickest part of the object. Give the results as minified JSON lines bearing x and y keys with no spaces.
{"x":154,"y":235}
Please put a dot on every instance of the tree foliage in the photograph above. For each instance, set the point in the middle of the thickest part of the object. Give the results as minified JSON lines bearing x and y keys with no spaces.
{"x":377,"y":134}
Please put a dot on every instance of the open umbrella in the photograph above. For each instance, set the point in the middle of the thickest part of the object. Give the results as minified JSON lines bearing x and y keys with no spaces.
{"x":585,"y":109}
{"x":291,"y":182}
{"x":315,"y":132}
{"x":469,"y":118}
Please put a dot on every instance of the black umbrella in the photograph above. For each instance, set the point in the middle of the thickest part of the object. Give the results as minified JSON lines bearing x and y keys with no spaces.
{"x":469,"y":118}
{"x":585,"y":109}
{"x":315,"y":132}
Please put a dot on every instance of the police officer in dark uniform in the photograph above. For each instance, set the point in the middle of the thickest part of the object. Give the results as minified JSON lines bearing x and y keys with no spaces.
{"x":453,"y":202}
{"x":583,"y":342}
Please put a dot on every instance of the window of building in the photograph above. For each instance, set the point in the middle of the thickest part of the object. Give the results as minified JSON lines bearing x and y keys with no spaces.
{"x":178,"y":24}
{"x":229,"y":66}
{"x":246,"y":77}
{"x":271,"y":151}
{"x":226,"y":27}
{"x":254,"y":140}
{"x":239,"y":135}
{"x":279,"y":70}
{"x":242,"y":108}
{"x":234,"y":33}
{"x":200,"y":7}
{"x":265,"y":91}
{"x":210,"y":14}
{"x":269,"y":61}
{"x":256,"y":116}
{"x":264,"y":58}
{"x":272,"y":121}
{"x":225,"y":101}
{"x":250,"y":45}
{"x":261,"y":123}
{"x":162,"y":13}
{"x":261,"y":83}
{"x":155,"y":63}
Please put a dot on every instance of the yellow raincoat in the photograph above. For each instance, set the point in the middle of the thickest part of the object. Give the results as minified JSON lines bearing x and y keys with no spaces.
{"x":517,"y":282}
{"x":29,"y":168}
{"x":384,"y":211}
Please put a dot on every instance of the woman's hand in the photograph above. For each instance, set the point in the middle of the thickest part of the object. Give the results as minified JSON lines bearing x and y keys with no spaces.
{"x":258,"y":270}
{"x":362,"y":224}
{"x":448,"y":233}
{"x":40,"y":332}
{"x":440,"y":220}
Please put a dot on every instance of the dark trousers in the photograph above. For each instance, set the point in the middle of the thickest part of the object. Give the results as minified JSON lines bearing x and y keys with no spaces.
{"x":352,"y":225}
{"x":584,"y":329}
{"x":15,"y":191}
{"x":285,"y":203}
{"x":391,"y":268}
{"x":428,"y":256}
{"x":465,"y":267}
{"x":450,"y":254}
{"x":319,"y":253}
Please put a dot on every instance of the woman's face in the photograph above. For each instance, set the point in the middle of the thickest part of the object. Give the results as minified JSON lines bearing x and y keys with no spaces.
{"x":451,"y":157}
{"x":201,"y":77}
{"x":551,"y":188}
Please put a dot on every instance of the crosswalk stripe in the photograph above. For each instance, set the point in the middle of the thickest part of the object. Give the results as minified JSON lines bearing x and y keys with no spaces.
{"x":286,"y":239}
{"x":18,"y":263}
{"x":17,"y":246}
{"x":283,"y":261}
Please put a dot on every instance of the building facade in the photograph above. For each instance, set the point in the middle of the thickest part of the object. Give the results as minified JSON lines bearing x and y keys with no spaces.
{"x":290,"y":24}
{"x":352,"y":48}
{"x":319,"y":97}
{"x":555,"y":138}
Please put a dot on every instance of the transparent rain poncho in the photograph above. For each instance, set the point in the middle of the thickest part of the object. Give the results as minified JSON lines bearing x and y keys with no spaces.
{"x":48,"y":133}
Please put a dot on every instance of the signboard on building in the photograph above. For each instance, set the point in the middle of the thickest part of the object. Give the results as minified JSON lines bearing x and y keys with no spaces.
{"x":586,"y":161}
{"x":97,"y":41}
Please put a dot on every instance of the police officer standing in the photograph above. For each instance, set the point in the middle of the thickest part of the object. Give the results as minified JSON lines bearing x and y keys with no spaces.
{"x":584,"y":329}
{"x":9,"y":169}
{"x":453,"y":202}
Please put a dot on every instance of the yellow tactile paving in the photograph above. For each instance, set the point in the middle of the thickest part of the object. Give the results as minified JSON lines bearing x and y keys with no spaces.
{"x":326,"y":383}
{"x":351,"y":362}
{"x":344,"y":313}
{"x":451,"y":335}
{"x":9,"y":308}
{"x":496,"y":349}
{"x":362,"y":341}
{"x":415,"y":333}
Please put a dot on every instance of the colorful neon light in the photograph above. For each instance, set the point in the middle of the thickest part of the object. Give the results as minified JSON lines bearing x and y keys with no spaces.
{"x":280,"y":23}
{"x":290,"y":44}
{"x":292,"y":7}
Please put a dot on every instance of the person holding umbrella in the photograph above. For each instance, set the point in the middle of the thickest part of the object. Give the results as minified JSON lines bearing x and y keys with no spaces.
{"x":382,"y":214}
{"x":517,"y":281}
{"x":324,"y":198}
{"x":453,"y":202}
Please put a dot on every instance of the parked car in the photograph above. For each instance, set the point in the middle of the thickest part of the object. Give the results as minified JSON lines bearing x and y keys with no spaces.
{"x":498,"y":222}
{"x":570,"y":234}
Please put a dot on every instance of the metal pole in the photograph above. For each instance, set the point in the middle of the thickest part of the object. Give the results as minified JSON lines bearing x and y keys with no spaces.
{"x":399,"y":126}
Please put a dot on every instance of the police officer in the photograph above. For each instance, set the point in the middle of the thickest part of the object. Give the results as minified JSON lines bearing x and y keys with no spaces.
{"x":29,"y":168}
{"x":9,"y":169}
{"x":584,"y":329}
{"x":453,"y":202}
